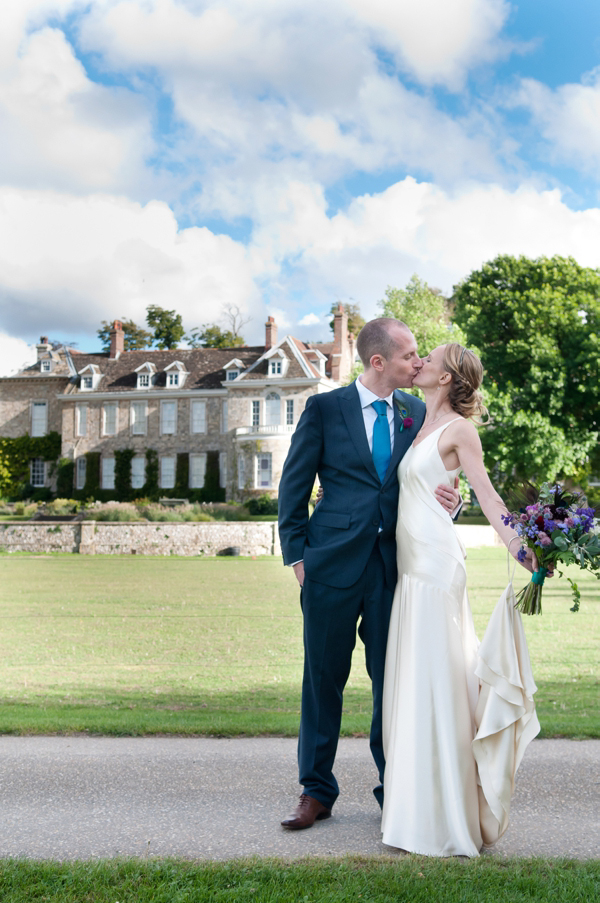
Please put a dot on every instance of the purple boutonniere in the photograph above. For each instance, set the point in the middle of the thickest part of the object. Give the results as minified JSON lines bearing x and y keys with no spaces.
{"x":405,"y":420}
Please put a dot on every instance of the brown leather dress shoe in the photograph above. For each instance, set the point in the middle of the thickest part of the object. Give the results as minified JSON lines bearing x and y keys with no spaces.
{"x":307,"y":812}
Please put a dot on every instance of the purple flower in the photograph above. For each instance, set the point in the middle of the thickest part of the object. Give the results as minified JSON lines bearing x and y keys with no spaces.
{"x":407,"y":422}
{"x":521,"y":554}
{"x":544,"y":539}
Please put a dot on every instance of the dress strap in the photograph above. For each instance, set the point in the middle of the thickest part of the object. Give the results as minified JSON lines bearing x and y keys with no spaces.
{"x":444,"y":425}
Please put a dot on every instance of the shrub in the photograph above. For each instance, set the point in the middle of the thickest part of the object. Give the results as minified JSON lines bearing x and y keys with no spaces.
{"x":264,"y":504}
{"x":117,"y":511}
{"x":64,"y":478}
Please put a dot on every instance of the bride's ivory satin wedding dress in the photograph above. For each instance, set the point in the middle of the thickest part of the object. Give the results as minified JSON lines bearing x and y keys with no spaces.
{"x":457,"y":716}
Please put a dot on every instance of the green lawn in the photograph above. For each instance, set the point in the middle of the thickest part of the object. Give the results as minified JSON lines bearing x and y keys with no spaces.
{"x":122,"y":645}
{"x":368,"y":880}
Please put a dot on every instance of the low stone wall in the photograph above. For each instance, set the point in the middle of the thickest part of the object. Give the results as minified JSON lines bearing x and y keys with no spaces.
{"x":106,"y":538}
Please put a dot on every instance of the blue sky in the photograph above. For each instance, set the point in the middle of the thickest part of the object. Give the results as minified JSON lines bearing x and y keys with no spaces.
{"x":282,"y":155}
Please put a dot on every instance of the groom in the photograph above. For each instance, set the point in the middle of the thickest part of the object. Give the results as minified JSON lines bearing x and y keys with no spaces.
{"x":344,"y":556}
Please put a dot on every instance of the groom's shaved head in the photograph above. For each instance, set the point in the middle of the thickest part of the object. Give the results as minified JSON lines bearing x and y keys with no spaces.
{"x":379,"y":336}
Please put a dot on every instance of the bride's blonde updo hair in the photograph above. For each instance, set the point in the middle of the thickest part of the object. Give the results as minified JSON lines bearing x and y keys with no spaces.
{"x":466,"y":371}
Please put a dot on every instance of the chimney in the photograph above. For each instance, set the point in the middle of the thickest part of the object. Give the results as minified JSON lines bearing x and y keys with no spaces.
{"x":340,"y":343}
{"x":117,"y":340}
{"x":43,"y":348}
{"x":270,"y":333}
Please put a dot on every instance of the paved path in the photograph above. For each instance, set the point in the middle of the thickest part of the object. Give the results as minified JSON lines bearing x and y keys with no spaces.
{"x":79,"y":797}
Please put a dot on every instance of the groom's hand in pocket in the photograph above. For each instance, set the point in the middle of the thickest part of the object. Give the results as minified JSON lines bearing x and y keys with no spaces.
{"x":449,"y":497}
{"x":299,"y":572}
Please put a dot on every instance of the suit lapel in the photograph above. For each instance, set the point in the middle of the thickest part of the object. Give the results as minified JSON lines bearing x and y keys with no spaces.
{"x":352,"y":412}
{"x":402,"y":438}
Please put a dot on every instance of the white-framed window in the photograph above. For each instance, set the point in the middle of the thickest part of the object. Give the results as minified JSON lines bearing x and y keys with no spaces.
{"x":168,"y":418}
{"x":256,"y":413}
{"x":232,"y":374}
{"x":87,"y":382}
{"x":139,"y":418}
{"x":275,"y":366}
{"x":109,"y":418}
{"x":108,"y":473}
{"x":289,"y":411}
{"x":46,"y":366}
{"x":198,"y":417}
{"x":80,"y":419}
{"x":37,"y":472}
{"x":80,"y":471}
{"x":273,"y":409}
{"x":143,"y":381}
{"x":167,"y":472}
{"x":39,"y":418}
{"x":138,"y":471}
{"x":223,"y":470}
{"x":173,"y":378}
{"x":264,"y":471}
{"x":241,"y":463}
{"x":224,"y":417}
{"x":197,"y":470}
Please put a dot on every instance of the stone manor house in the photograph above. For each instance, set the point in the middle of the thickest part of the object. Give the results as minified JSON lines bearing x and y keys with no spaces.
{"x":241,"y":404}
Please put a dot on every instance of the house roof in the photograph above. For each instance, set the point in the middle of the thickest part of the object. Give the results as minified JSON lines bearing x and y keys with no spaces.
{"x":205,"y":366}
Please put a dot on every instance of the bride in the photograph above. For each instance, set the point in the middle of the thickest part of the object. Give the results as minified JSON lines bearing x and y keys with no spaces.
{"x":434,"y":801}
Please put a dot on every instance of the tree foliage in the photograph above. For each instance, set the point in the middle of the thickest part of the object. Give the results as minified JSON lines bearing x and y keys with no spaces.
{"x":537,"y":326}
{"x":136,"y":337}
{"x":425,"y":311}
{"x":167,"y":326}
{"x":212,"y":336}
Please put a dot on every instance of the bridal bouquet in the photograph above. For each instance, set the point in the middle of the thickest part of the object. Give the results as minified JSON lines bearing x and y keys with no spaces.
{"x":558,"y":529}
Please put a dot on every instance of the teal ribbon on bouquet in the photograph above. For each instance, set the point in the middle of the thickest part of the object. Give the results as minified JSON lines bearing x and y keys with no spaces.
{"x":538,"y":577}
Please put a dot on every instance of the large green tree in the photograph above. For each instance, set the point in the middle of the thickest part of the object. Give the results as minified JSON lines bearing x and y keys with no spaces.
{"x":166,"y":325}
{"x":212,"y":336}
{"x":424,"y":310}
{"x":136,"y":337}
{"x":536,"y":324}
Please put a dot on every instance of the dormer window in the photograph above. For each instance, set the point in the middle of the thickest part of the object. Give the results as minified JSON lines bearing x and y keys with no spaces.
{"x":176,"y":375}
{"x":277,"y":363}
{"x":144,"y":373}
{"x":89,"y":377}
{"x":46,"y":366}
{"x":233,"y":369}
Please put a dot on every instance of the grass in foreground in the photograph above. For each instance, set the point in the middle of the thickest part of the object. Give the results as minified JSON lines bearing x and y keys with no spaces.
{"x":370,"y":880}
{"x":118,"y":645}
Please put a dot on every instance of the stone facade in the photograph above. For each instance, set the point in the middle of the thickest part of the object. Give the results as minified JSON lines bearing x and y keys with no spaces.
{"x":242,"y":403}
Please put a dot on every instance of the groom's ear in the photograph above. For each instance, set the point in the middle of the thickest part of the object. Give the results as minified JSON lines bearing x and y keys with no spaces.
{"x":377,"y":362}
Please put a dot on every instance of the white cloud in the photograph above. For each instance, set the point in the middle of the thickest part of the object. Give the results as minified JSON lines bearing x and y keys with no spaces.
{"x":309,"y":320}
{"x":66,"y":263}
{"x":438,"y":41}
{"x":61,"y":129}
{"x":14,"y":354}
{"x":417,"y":227}
{"x":568,"y":117}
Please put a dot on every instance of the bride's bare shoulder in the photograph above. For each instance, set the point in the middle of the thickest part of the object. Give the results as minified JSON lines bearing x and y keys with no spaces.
{"x":462,"y":430}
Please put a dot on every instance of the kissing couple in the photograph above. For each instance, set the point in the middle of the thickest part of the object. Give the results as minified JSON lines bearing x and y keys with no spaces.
{"x":380,"y":551}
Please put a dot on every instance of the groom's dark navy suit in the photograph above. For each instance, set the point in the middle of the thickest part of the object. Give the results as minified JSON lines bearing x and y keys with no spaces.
{"x":349,"y":551}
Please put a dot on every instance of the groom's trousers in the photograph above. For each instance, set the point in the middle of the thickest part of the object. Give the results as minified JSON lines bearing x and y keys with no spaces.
{"x":330,"y":619}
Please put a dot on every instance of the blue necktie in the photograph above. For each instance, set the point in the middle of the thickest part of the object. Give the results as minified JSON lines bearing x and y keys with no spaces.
{"x":382,"y":450}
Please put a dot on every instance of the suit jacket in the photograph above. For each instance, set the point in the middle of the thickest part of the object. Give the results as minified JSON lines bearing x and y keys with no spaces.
{"x":330,"y":440}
